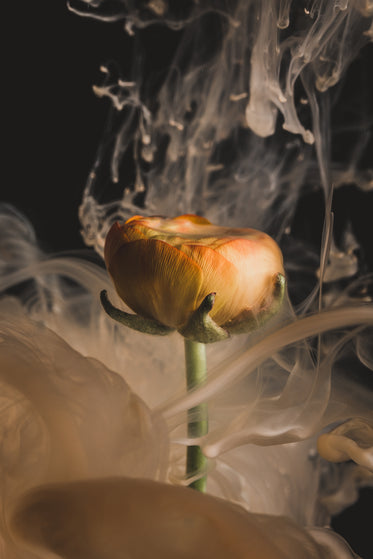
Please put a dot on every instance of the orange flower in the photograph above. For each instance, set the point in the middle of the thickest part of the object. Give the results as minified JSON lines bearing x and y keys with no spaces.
{"x":164,"y":268}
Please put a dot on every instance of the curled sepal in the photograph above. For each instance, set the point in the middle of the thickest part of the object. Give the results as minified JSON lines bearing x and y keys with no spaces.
{"x":201,"y":327}
{"x":248,"y":321}
{"x":134,"y":321}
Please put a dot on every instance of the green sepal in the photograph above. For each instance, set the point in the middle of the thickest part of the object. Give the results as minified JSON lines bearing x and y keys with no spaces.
{"x":134,"y":321}
{"x":201,"y":327}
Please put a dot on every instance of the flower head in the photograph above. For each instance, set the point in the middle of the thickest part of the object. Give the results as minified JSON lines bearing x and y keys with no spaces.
{"x":163,"y":269}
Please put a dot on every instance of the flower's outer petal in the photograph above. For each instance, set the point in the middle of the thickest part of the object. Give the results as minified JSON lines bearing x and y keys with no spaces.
{"x":114,"y":240}
{"x":257,"y":262}
{"x":133,"y":229}
{"x":219,"y":276}
{"x":136,"y":228}
{"x":156,"y":280}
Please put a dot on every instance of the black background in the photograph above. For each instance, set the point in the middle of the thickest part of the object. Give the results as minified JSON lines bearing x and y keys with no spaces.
{"x":52,"y":124}
{"x":53,"y":119}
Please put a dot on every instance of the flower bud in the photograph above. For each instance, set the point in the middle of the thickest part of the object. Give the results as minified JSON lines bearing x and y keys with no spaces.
{"x":163,"y":269}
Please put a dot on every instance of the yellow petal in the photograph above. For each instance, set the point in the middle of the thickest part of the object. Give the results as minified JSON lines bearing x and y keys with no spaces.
{"x":156,"y":280}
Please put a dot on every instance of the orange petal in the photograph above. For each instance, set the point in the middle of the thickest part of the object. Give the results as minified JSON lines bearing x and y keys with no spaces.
{"x":192,"y":218}
{"x":119,"y":234}
{"x":113,"y":241}
{"x":257,"y":261}
{"x":134,"y":218}
{"x":219,"y":276}
{"x":156,"y":280}
{"x":142,"y":228}
{"x":188,"y":223}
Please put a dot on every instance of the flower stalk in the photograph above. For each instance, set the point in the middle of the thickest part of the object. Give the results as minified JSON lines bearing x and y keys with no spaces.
{"x":205,"y":281}
{"x":195,"y":366}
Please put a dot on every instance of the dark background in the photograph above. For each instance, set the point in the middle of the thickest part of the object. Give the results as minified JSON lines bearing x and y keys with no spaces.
{"x":53,"y":119}
{"x":52,"y":125}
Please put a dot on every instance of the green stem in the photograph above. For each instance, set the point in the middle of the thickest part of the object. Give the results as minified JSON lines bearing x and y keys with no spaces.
{"x":195,"y":363}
